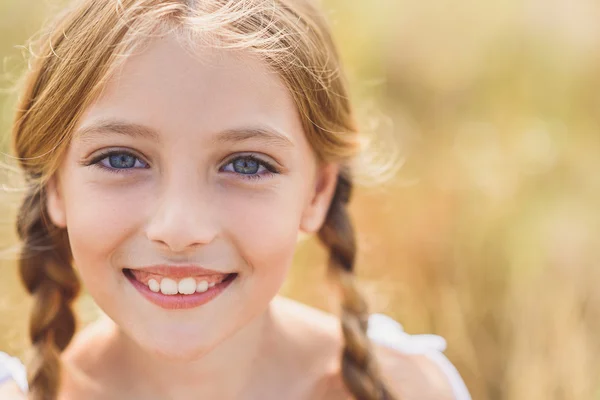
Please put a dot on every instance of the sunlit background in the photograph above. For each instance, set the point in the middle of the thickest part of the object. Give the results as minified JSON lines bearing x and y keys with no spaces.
{"x":489,"y":233}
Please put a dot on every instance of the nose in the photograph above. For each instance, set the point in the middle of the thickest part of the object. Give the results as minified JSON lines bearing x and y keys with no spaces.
{"x":183,"y":219}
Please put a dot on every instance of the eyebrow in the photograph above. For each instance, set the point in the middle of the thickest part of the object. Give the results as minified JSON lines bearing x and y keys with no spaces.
{"x":107,"y":127}
{"x":263,"y":134}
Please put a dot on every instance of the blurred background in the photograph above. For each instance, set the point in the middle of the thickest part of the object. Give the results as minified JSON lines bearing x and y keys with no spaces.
{"x":489,"y":233}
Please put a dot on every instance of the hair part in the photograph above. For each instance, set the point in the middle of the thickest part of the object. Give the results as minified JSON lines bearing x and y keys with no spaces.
{"x":72,"y":61}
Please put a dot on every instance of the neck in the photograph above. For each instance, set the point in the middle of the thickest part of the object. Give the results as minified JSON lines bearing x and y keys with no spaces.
{"x":226,"y":372}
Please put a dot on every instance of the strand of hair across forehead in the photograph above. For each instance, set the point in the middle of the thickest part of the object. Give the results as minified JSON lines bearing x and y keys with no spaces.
{"x":359,"y":369}
{"x":46,"y":271}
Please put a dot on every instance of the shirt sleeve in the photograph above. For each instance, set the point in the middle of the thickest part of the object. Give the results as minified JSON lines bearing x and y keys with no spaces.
{"x":11,"y":368}
{"x":385,"y":331}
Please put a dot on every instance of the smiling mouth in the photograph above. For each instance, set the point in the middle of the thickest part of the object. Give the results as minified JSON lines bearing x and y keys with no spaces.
{"x":178,"y":293}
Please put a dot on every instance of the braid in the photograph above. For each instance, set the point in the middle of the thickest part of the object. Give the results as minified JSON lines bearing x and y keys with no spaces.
{"x":45,"y":269}
{"x":359,"y":369}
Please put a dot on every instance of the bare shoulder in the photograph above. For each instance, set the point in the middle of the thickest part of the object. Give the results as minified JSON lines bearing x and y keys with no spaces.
{"x":408,"y":376}
{"x":10,"y":391}
{"x":412,"y":376}
{"x":317,"y":336}
{"x":86,"y":362}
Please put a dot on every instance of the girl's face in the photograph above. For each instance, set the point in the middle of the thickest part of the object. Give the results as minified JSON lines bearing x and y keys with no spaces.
{"x":188,"y":160}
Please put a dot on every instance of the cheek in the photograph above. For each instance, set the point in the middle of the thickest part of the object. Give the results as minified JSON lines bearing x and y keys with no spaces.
{"x":98,"y":221}
{"x":265,"y":229}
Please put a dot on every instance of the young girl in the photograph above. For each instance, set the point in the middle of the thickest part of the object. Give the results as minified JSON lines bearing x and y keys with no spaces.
{"x":174,"y":151}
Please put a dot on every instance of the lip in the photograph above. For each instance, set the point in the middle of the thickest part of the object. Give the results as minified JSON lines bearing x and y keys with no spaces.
{"x":179,"y":271}
{"x":179,"y":301}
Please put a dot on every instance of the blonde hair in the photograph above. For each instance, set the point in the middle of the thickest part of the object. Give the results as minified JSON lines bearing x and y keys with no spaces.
{"x":76,"y":56}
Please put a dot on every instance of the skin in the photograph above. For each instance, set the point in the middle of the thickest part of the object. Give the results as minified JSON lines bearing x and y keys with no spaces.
{"x":181,"y":203}
{"x":9,"y":390}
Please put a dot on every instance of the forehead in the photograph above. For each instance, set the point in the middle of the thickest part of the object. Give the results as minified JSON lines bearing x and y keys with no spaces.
{"x":177,"y":91}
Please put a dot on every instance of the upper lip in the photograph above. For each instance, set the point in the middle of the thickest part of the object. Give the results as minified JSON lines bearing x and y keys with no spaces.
{"x":179,"y":271}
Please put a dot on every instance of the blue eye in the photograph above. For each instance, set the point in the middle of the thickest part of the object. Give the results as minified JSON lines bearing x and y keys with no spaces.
{"x":121,"y":161}
{"x":116,"y":161}
{"x":246,"y":166}
{"x":250,"y":167}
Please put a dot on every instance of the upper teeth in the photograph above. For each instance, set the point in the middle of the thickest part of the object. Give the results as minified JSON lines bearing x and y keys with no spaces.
{"x":185,"y":286}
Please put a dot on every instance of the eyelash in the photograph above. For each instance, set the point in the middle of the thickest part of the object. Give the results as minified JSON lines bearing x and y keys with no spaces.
{"x":271,"y":169}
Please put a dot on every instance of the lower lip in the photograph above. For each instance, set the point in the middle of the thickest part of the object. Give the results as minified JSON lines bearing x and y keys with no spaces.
{"x":179,"y":301}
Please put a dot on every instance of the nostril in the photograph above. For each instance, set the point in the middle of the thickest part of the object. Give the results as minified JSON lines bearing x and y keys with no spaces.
{"x":183,"y":240}
{"x":182,"y":221}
